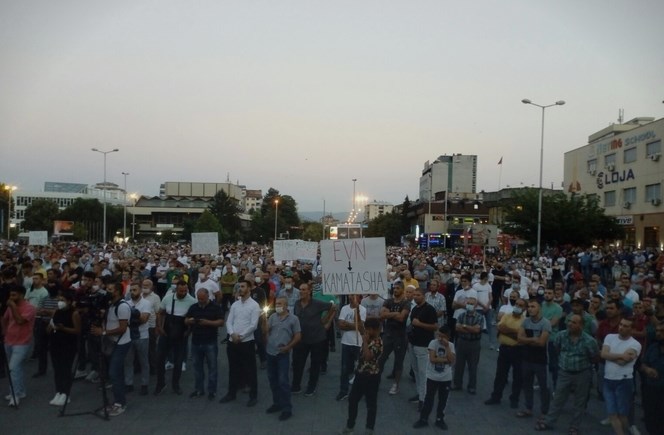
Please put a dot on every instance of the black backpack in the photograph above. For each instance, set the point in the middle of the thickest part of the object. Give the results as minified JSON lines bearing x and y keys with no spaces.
{"x":134,"y":320}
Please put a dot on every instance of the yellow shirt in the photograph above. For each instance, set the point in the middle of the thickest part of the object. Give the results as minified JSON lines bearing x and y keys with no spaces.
{"x":412,"y":281}
{"x":511,"y":322}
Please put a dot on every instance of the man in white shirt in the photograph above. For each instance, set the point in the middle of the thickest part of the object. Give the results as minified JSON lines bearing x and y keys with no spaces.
{"x":351,"y":340}
{"x":484,"y":300}
{"x":210,"y":285}
{"x":155,"y":301}
{"x":620,"y":352}
{"x":140,"y":344}
{"x":241,"y":323}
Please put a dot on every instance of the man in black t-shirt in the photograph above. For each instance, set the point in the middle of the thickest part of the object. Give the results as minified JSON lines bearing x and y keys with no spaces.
{"x":204,"y":319}
{"x":420,"y":331}
{"x":395,"y":314}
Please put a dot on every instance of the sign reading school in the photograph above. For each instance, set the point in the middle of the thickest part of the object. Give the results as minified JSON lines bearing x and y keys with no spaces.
{"x":354,"y":266}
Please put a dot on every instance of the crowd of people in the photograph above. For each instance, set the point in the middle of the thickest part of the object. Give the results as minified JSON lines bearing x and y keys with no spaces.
{"x":563,"y":324}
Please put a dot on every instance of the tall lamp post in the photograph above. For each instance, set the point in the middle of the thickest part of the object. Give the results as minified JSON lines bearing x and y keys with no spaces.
{"x":9,"y":190}
{"x":539,"y":200}
{"x":429,"y":215}
{"x":276,"y":216}
{"x":134,"y":198}
{"x":115,"y":150}
{"x":353,"y":213}
{"x":124,"y":221}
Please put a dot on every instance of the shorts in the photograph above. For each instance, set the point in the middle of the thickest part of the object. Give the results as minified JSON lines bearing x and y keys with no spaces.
{"x":618,"y":396}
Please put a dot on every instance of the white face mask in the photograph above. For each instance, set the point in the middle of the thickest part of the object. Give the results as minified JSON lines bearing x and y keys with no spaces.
{"x":279,"y":310}
{"x":62,"y":305}
{"x":288,"y":286}
{"x":145,"y":290}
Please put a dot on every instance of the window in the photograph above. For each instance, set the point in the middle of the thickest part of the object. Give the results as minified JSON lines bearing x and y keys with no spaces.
{"x":653,"y":191}
{"x":654,"y":148}
{"x":592,"y":166}
{"x":610,"y":198}
{"x":610,"y":160}
{"x":629,"y":195}
{"x":630,"y":155}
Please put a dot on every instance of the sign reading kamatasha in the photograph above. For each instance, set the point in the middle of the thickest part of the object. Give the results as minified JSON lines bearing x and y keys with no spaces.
{"x":354,"y":266}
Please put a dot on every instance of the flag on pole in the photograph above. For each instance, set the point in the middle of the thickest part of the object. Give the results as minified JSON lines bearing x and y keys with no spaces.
{"x":500,"y":162}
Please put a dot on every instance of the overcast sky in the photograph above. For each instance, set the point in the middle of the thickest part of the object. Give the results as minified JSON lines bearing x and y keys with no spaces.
{"x":304,"y":96}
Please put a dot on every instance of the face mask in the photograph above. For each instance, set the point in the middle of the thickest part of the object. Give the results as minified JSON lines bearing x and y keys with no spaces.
{"x":279,"y":310}
{"x":470,"y":307}
{"x":517,"y":311}
{"x":456,"y":281}
{"x":540,"y":292}
{"x":516,"y":285}
{"x":512,"y":302}
{"x":62,"y":305}
{"x":288,"y":286}
{"x":258,"y":280}
{"x":95,"y":287}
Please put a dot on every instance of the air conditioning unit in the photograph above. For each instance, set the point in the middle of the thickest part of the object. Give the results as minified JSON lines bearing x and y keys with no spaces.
{"x":655,"y":157}
{"x":655,"y":201}
{"x":627,"y":205}
{"x":610,"y":168}
{"x":592,"y":172}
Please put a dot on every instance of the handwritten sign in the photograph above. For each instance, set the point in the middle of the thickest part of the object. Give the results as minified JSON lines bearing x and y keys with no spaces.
{"x":205,"y":243}
{"x":306,"y":250}
{"x":354,"y":266}
{"x":38,"y":238}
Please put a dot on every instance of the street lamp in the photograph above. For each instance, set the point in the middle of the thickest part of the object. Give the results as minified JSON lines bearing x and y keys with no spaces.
{"x":115,"y":150}
{"x":124,"y":221}
{"x":276,"y":216}
{"x":134,"y":198}
{"x":429,"y":214}
{"x":9,"y":190}
{"x":539,"y":200}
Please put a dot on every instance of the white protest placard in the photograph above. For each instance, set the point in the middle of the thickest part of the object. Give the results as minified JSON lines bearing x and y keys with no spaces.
{"x":285,"y":250}
{"x":306,"y":250}
{"x":354,"y":266}
{"x":205,"y":243}
{"x":39,"y":238}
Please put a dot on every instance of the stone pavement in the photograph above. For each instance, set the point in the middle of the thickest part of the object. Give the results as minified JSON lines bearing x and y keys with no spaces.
{"x":320,"y":414}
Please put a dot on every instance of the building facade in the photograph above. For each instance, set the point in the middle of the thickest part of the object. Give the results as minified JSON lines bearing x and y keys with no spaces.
{"x":376,"y":208}
{"x":622,"y":166}
{"x":456,"y":174}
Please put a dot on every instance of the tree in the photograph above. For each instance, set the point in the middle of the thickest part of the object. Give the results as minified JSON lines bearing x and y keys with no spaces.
{"x":577,"y":220}
{"x":227,"y":212}
{"x":262,"y":224}
{"x":39,"y":215}
{"x":208,"y":223}
{"x":389,"y":225}
{"x":90,"y":213}
{"x":313,"y":231}
{"x":405,"y":221}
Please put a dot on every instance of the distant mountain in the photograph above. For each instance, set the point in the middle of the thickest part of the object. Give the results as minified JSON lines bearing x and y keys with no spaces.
{"x":315,"y":216}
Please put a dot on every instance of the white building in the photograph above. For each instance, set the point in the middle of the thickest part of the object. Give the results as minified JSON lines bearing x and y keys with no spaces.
{"x":247,"y":199}
{"x":455,"y":174}
{"x":376,"y":208}
{"x":622,"y":166}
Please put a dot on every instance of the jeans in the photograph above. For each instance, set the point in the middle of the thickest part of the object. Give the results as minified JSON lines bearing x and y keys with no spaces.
{"x":16,"y":354}
{"x":242,"y":367}
{"x":140,"y":348}
{"x":277,"y":374}
{"x":489,"y":318}
{"x":569,"y":382}
{"x":509,"y":357}
{"x":164,"y":347}
{"x":300,"y":354}
{"x":443,"y":390}
{"x":364,"y":385}
{"x":553,"y":363}
{"x":419,"y":356}
{"x":116,"y":372}
{"x":393,"y":341}
{"x":209,"y":353}
{"x":349,"y":355}
{"x":530,"y":371}
{"x":467,"y":353}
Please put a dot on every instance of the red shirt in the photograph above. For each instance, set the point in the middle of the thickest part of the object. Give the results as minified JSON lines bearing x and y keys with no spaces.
{"x":605,"y":328}
{"x":15,"y":334}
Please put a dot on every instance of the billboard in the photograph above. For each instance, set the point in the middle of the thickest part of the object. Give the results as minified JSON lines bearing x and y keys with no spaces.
{"x":63,"y":228}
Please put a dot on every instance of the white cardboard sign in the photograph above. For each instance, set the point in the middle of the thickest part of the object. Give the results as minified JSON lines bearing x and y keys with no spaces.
{"x":205,"y":243}
{"x":354,"y":266}
{"x":284,"y":250}
{"x":306,"y":250}
{"x":38,"y":238}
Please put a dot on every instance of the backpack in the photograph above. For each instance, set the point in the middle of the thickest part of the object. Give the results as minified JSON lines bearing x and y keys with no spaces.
{"x":134,"y":321}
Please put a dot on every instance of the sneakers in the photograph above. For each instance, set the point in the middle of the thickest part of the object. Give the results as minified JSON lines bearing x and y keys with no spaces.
{"x":116,"y":410}
{"x":634,"y":430}
{"x":20,"y":396}
{"x":414,"y":399}
{"x":59,"y":399}
{"x":55,"y":400}
{"x":92,"y":376}
{"x":351,"y":380}
{"x":394,"y":390}
{"x":420,"y":424}
{"x":169,"y":365}
{"x":441,"y":424}
{"x":341,"y":396}
{"x":605,"y":422}
{"x":80,"y":374}
{"x":14,"y":402}
{"x":184,"y":366}
{"x":310,"y":392}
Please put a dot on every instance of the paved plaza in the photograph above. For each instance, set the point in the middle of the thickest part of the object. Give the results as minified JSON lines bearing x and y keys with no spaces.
{"x":320,"y":414}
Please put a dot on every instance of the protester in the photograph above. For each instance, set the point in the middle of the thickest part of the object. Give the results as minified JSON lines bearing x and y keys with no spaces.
{"x":64,"y":329}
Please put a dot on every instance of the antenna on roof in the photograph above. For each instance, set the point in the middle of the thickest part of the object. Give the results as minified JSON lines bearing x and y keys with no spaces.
{"x":621,"y":115}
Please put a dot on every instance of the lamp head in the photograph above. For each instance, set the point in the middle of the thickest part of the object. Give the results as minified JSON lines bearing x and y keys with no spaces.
{"x":560,"y":103}
{"x":526,"y":101}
